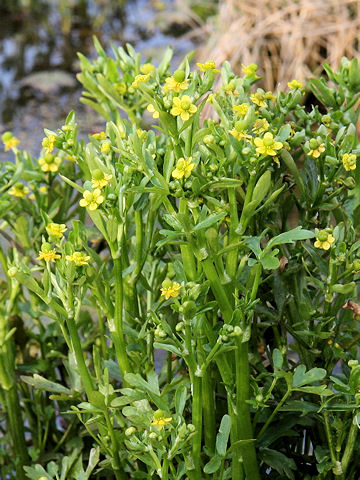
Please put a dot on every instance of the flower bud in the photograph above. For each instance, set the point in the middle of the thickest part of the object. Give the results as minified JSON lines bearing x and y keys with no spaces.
{"x":130,"y":431}
{"x":179,"y":76}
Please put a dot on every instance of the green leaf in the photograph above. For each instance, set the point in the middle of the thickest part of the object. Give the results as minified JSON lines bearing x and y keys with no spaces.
{"x":278,"y":461}
{"x":301,"y":377}
{"x":289,"y":237}
{"x":277,"y":358}
{"x":214,"y":465}
{"x":210,"y":220}
{"x":42,"y":383}
{"x":270,"y":262}
{"x":135,"y":380}
{"x":180,"y":399}
{"x":223,"y":436}
{"x":320,"y":390}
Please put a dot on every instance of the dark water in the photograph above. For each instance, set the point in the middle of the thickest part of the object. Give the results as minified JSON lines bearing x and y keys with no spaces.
{"x":47,"y":37}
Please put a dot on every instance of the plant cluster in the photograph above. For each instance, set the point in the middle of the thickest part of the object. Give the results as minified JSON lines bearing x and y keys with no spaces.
{"x":179,"y":293}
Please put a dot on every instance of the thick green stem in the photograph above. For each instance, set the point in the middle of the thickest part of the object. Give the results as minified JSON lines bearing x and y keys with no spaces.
{"x":16,"y":429}
{"x":244,"y":427}
{"x":80,"y":361}
{"x":117,"y":330}
{"x":349,"y":449}
{"x":208,"y":405}
{"x":232,"y":258}
{"x":187,"y":253}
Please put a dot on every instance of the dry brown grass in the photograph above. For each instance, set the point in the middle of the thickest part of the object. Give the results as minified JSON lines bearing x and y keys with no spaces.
{"x":286,"y":38}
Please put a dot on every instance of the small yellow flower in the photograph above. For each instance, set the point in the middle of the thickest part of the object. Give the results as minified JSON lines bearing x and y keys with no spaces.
{"x":120,"y":87}
{"x":49,"y":143}
{"x":99,"y":136}
{"x":47,"y":253}
{"x":19,"y":190}
{"x":177,"y":82}
{"x":324,"y":240}
{"x":56,"y":229}
{"x":140,"y":78}
{"x":49,"y":163}
{"x":183,"y":168}
{"x":267,"y":145}
{"x":160,"y":421}
{"x":43,"y":189}
{"x":10,"y":142}
{"x":70,"y":158}
{"x":241,"y":110}
{"x":147,"y":68}
{"x":210,"y":98}
{"x":92,"y":199}
{"x":171,"y":289}
{"x":239,"y":134}
{"x":294,"y":84}
{"x":249,"y":69}
{"x":269,"y":96}
{"x":316,"y":152}
{"x":349,"y":161}
{"x":229,"y":88}
{"x":150,"y":108}
{"x":183,"y":107}
{"x":105,"y":147}
{"x":79,"y":258}
{"x":100,"y":179}
{"x":260,"y":126}
{"x":208,"y":66}
{"x":258,"y":98}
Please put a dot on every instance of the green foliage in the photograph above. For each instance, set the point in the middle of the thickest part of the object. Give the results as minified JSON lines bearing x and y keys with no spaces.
{"x":180,"y":292}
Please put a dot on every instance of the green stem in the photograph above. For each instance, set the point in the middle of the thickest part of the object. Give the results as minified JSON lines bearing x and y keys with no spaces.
{"x":119,"y":473}
{"x":232,"y":258}
{"x":186,"y":250}
{"x":208,"y":406}
{"x":80,"y":361}
{"x":165,"y":469}
{"x":244,"y":427}
{"x":118,"y":334}
{"x":16,"y":429}
{"x":348,"y":452}
{"x":279,"y":405}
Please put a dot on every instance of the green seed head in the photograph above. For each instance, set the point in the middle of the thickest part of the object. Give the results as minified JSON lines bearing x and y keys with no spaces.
{"x":179,"y":76}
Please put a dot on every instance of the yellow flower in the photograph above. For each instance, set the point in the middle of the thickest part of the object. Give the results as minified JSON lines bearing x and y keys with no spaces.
{"x":267,"y":145}
{"x":105,"y":147}
{"x":147,"y":68}
{"x":43,"y":189}
{"x":208,"y":66}
{"x":229,"y":88}
{"x":316,"y":152}
{"x":19,"y":190}
{"x":49,"y":143}
{"x":349,"y":161}
{"x":294,"y":84}
{"x":177,"y":82}
{"x":49,"y":163}
{"x":92,"y":199}
{"x":150,"y":108}
{"x":56,"y":229}
{"x":120,"y":87}
{"x":260,"y":126}
{"x":183,"y":168}
{"x":183,"y":107}
{"x":242,"y":109}
{"x":140,"y":78}
{"x":47,"y":253}
{"x":170,"y":289}
{"x":239,"y":134}
{"x":258,"y":98}
{"x":99,"y":136}
{"x":324,"y":240}
{"x":79,"y":258}
{"x":100,"y":179}
{"x":10,"y":142}
{"x":249,"y":69}
{"x":160,"y":420}
{"x":270,"y":96}
{"x":70,"y":158}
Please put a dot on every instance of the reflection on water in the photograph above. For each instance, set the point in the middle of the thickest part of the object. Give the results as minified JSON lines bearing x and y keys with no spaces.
{"x":47,"y":37}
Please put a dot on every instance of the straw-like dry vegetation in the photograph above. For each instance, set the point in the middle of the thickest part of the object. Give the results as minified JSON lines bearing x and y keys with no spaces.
{"x":286,"y":38}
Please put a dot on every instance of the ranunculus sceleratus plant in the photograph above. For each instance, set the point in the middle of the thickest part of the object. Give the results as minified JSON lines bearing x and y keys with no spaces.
{"x":188,"y":286}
